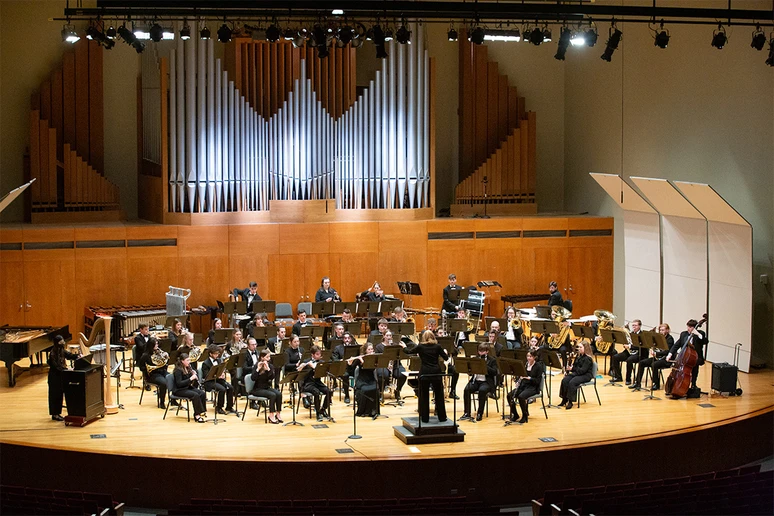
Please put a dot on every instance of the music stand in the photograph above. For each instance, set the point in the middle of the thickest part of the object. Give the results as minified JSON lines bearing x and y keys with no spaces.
{"x":321,"y":371}
{"x":551,"y":359}
{"x":581,"y":331}
{"x":508,"y":353}
{"x":376,"y":361}
{"x":315,"y":332}
{"x":223,"y":335}
{"x":263,"y":307}
{"x":410,"y":289}
{"x":455,"y":326}
{"x":471,"y":366}
{"x":213,"y":375}
{"x":513,"y":368}
{"x":353,"y":328}
{"x":340,"y":306}
{"x":544,"y":327}
{"x":653,"y":340}
{"x":170,"y":321}
{"x":388,"y":305}
{"x":165,"y":345}
{"x":264,"y":333}
{"x":115,"y":372}
{"x":323,"y":308}
{"x":471,"y":348}
{"x":294,"y":377}
{"x":458,"y":294}
{"x":616,"y":337}
{"x":401,"y":328}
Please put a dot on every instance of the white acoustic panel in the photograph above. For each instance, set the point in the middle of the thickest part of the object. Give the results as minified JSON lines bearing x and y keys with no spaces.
{"x":730,"y":275}
{"x":642,"y":253}
{"x":642,"y":268}
{"x":665,"y":198}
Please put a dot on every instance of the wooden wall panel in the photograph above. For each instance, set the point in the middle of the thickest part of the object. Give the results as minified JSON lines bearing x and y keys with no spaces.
{"x":49,"y":284}
{"x":12,"y":294}
{"x":590,"y":273}
{"x":354,"y":237}
{"x":304,"y":238}
{"x":355,"y":272}
{"x":101,"y":277}
{"x":249,"y":250}
{"x":403,"y":256}
{"x":203,"y":267}
{"x":287,"y":282}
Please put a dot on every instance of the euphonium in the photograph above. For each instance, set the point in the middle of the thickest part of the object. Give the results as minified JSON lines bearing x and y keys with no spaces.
{"x":159,"y":359}
{"x":515,"y":323}
{"x":559,"y":314}
{"x":605,"y":319}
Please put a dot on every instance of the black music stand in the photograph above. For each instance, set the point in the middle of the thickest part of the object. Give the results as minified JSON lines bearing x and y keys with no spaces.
{"x":353,"y":328}
{"x":294,"y":377}
{"x":471,"y":366}
{"x":544,"y":327}
{"x":323,"y":308}
{"x":213,"y":375}
{"x":409,"y":289}
{"x":321,"y":371}
{"x":165,"y":345}
{"x":264,"y":333}
{"x":581,"y":331}
{"x":391,"y":354}
{"x":655,"y":341}
{"x":170,"y":321}
{"x":551,"y":359}
{"x":343,"y":305}
{"x":116,"y":373}
{"x":401,"y":328}
{"x":332,"y":343}
{"x":388,"y":305}
{"x":263,"y":307}
{"x":458,"y":294}
{"x":616,"y":337}
{"x":374,"y":362}
{"x":510,"y":368}
{"x":312,"y":332}
{"x":223,"y":335}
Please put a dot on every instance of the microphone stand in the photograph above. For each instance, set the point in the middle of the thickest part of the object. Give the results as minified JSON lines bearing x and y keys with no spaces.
{"x":354,"y":419}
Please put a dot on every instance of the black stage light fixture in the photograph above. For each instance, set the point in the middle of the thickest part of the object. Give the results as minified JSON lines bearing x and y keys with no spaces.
{"x":388,"y":34}
{"x":273,"y":33}
{"x":661,"y":36}
{"x":69,"y":34}
{"x":758,"y":38}
{"x":612,"y":43}
{"x":345,"y":35}
{"x":591,"y":36}
{"x":477,"y":36}
{"x":564,"y":42}
{"x":131,"y":39}
{"x":546,"y":34}
{"x":224,"y":33}
{"x":452,"y":34}
{"x":205,"y":33}
{"x":378,"y":38}
{"x":403,"y":35}
{"x":110,"y":33}
{"x":536,"y":36}
{"x":95,"y":34}
{"x":185,"y":32}
{"x":770,"y":60}
{"x":719,"y":37}
{"x":289,"y":34}
{"x":156,"y":33}
{"x":320,"y":38}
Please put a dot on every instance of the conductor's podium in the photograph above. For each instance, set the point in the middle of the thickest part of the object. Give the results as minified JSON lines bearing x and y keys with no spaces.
{"x":432,"y":432}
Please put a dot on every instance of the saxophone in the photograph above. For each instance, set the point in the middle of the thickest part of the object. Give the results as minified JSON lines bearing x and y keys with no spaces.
{"x":159,"y":359}
{"x":237,"y":347}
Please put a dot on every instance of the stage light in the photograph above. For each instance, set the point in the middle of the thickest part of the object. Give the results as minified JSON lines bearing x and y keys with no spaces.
{"x":140,"y":32}
{"x":564,"y":42}
{"x":345,"y":35}
{"x":205,"y":33}
{"x":378,"y":37}
{"x":758,"y":38}
{"x":289,"y":34}
{"x":770,"y":60}
{"x":95,"y":34}
{"x":536,"y":36}
{"x":452,"y":34}
{"x":185,"y":32}
{"x":719,"y":37}
{"x":130,"y":39}
{"x":403,"y":35}
{"x":502,"y":35}
{"x":110,"y":33}
{"x":156,"y":33}
{"x":320,"y":38}
{"x":661,"y":37}
{"x":337,"y":12}
{"x":591,"y":36}
{"x":273,"y":33}
{"x":578,"y":38}
{"x":224,"y":33}
{"x":477,"y":36}
{"x":612,"y":43}
{"x":388,"y":35}
{"x":546,"y":34}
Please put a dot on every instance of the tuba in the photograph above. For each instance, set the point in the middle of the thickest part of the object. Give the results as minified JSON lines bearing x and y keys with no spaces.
{"x":605,"y":319}
{"x":159,"y":359}
{"x":559,"y":314}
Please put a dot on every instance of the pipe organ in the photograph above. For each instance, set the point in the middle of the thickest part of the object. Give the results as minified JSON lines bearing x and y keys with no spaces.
{"x":272,"y":122}
{"x":66,"y":152}
{"x":498,"y":144}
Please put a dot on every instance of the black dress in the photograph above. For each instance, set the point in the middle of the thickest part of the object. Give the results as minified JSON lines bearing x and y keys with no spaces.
{"x":429,"y":355}
{"x":55,"y":388}
{"x":366,"y":392}
{"x":526,"y":389}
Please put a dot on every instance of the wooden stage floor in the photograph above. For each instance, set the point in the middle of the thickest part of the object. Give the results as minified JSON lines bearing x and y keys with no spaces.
{"x":140,"y":431}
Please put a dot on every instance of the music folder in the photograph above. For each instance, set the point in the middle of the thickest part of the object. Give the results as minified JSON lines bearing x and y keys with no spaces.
{"x":84,"y":362}
{"x":312,"y":331}
{"x":215,"y":372}
{"x":509,"y":366}
{"x":470,"y":365}
{"x":581,"y":331}
{"x":263,"y":307}
{"x":458,"y":294}
{"x":264,"y":332}
{"x":401,"y":328}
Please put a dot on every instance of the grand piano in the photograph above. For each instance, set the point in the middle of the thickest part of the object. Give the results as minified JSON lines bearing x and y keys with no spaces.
{"x":19,"y":342}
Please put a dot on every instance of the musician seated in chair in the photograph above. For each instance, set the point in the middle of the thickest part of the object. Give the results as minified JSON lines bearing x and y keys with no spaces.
{"x":248,"y":295}
{"x":576,"y":373}
{"x":346,"y":316}
{"x":462,"y":336}
{"x":294,"y":352}
{"x":315,"y":386}
{"x":556,"y":296}
{"x":526,"y":387}
{"x":630,"y":354}
{"x":366,"y":389}
{"x":263,"y":374}
{"x":142,"y":338}
{"x":666,"y":361}
{"x":338,"y":354}
{"x":259,"y":321}
{"x":381,"y":330}
{"x":153,"y":364}
{"x":698,"y":339}
{"x":653,"y":357}
{"x":395,"y":370}
{"x":302,"y":321}
{"x":186,"y":386}
{"x":514,"y":334}
{"x":275,"y":343}
{"x":223,"y":388}
{"x":481,"y":384}
{"x":217,"y":324}
{"x":176,"y":333}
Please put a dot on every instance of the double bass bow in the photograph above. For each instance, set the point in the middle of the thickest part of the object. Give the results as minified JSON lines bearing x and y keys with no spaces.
{"x":679,"y":380}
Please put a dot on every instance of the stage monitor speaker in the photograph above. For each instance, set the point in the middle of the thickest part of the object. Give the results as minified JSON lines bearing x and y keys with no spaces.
{"x":724,"y":377}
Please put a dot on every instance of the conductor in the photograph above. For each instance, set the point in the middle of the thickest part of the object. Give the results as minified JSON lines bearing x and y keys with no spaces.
{"x":429,"y":351}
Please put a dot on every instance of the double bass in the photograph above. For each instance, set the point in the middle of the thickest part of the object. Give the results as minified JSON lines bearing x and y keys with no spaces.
{"x":679,"y":380}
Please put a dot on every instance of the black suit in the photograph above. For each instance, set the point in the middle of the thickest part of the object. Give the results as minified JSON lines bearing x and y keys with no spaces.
{"x":649,"y":362}
{"x":224,"y":388}
{"x":250,"y":360}
{"x":429,"y":355}
{"x":262,"y":387}
{"x":698,"y":343}
{"x":184,"y":389}
{"x":555,"y":299}
{"x":244,"y":295}
{"x":140,"y":341}
{"x":483,"y":388}
{"x":338,"y":355}
{"x":662,"y":363}
{"x":157,"y":377}
{"x":322,"y":295}
{"x":316,"y":388}
{"x":298,"y":325}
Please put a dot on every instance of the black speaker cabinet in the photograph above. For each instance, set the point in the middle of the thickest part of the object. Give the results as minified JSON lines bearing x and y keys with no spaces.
{"x":84,"y":394}
{"x":724,"y":377}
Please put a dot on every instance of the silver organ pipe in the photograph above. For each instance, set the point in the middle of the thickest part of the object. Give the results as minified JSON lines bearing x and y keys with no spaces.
{"x":225,"y":156}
